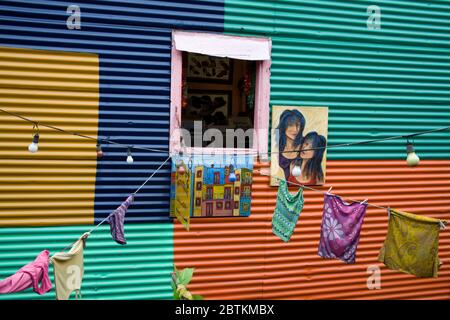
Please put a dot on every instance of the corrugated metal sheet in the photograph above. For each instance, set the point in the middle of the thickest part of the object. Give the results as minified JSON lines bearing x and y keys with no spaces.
{"x":376,"y":83}
{"x":55,"y":186}
{"x":240,"y":258}
{"x":139,"y":270}
{"x":133,"y":42}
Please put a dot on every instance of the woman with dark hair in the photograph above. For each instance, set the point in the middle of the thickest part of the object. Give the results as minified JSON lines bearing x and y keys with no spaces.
{"x":311,"y":160}
{"x":290,"y":137}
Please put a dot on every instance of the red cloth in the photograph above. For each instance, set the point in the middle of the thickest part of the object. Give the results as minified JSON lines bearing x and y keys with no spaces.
{"x":29,"y":276}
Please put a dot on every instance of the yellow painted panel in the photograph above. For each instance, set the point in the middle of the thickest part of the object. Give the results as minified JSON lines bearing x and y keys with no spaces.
{"x":56,"y":185}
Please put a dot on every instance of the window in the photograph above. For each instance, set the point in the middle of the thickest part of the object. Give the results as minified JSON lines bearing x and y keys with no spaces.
{"x":209,"y":193}
{"x":210,"y":88}
{"x":227,"y":195}
{"x":216,"y":177}
{"x":209,"y":209}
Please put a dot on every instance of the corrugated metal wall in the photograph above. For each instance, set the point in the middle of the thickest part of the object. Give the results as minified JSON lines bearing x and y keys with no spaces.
{"x":56,"y":185}
{"x":376,"y":83}
{"x":240,"y":258}
{"x":133,"y":42}
{"x":139,"y":270}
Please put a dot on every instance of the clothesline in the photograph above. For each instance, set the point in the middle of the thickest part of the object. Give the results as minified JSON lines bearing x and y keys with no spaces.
{"x":134,"y":193}
{"x":442,"y":223}
{"x":36,"y":125}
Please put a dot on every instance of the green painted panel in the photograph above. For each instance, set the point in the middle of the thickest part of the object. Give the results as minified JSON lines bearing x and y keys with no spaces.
{"x":138,"y":270}
{"x":376,"y":83}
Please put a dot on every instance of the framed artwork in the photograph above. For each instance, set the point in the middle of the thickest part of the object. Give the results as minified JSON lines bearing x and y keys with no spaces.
{"x":207,"y":181}
{"x":295,"y":129}
{"x":214,"y":107}
{"x":205,"y":68}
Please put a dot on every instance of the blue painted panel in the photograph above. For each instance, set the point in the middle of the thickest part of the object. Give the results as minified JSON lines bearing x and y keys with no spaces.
{"x":133,"y":41}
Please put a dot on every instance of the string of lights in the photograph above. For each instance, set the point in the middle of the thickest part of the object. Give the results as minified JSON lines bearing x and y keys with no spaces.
{"x":33,"y":148}
{"x":412,"y":158}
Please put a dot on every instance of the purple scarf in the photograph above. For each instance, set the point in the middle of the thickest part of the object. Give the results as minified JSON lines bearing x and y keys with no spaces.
{"x":117,"y":219}
{"x":341,"y":226}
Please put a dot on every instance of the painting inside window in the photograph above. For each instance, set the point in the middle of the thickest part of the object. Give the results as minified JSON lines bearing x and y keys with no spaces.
{"x":216,"y":193}
{"x":217,"y":93}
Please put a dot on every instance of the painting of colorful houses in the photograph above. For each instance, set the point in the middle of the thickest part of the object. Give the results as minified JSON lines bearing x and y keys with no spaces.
{"x":213,"y":193}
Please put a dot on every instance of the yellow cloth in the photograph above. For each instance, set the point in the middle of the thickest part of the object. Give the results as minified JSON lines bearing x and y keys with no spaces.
{"x":412,"y":244}
{"x":68,"y":268}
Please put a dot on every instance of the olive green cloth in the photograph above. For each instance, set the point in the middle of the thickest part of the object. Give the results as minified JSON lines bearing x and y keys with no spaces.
{"x":412,"y":244}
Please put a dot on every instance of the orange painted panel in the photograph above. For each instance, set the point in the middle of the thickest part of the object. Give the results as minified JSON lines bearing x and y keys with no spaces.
{"x":240,"y":258}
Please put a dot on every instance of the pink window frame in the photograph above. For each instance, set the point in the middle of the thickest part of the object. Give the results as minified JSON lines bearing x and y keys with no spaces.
{"x":261,"y":112}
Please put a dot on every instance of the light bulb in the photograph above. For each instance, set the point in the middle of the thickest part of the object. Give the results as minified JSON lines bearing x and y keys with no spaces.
{"x":232,"y":177}
{"x":33,"y":147}
{"x":130,"y":159}
{"x":297,"y":171}
{"x":99,"y":151}
{"x":412,"y":159}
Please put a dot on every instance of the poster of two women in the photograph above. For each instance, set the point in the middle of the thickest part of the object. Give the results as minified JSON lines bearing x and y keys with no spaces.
{"x":299,"y":138}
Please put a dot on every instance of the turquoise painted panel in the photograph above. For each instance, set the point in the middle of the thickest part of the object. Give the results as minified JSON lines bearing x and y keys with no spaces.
{"x":138,"y":270}
{"x":376,"y":83}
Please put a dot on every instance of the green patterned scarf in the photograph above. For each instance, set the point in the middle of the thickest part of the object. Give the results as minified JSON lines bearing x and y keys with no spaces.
{"x":287,"y":212}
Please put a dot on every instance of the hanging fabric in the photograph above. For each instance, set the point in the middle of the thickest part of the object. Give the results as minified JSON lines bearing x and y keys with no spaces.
{"x":69,"y":270}
{"x":412,"y":244}
{"x":117,"y":219}
{"x":341,"y":227}
{"x":33,"y":275}
{"x":181,"y":190}
{"x":287,"y":211}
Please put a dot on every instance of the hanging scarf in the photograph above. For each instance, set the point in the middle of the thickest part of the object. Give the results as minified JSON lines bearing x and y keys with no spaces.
{"x":411,"y":244}
{"x":341,"y":226}
{"x":117,"y":220}
{"x":287,"y":211}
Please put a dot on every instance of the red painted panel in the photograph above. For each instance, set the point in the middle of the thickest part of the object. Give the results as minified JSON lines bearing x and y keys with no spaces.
{"x":240,"y":258}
